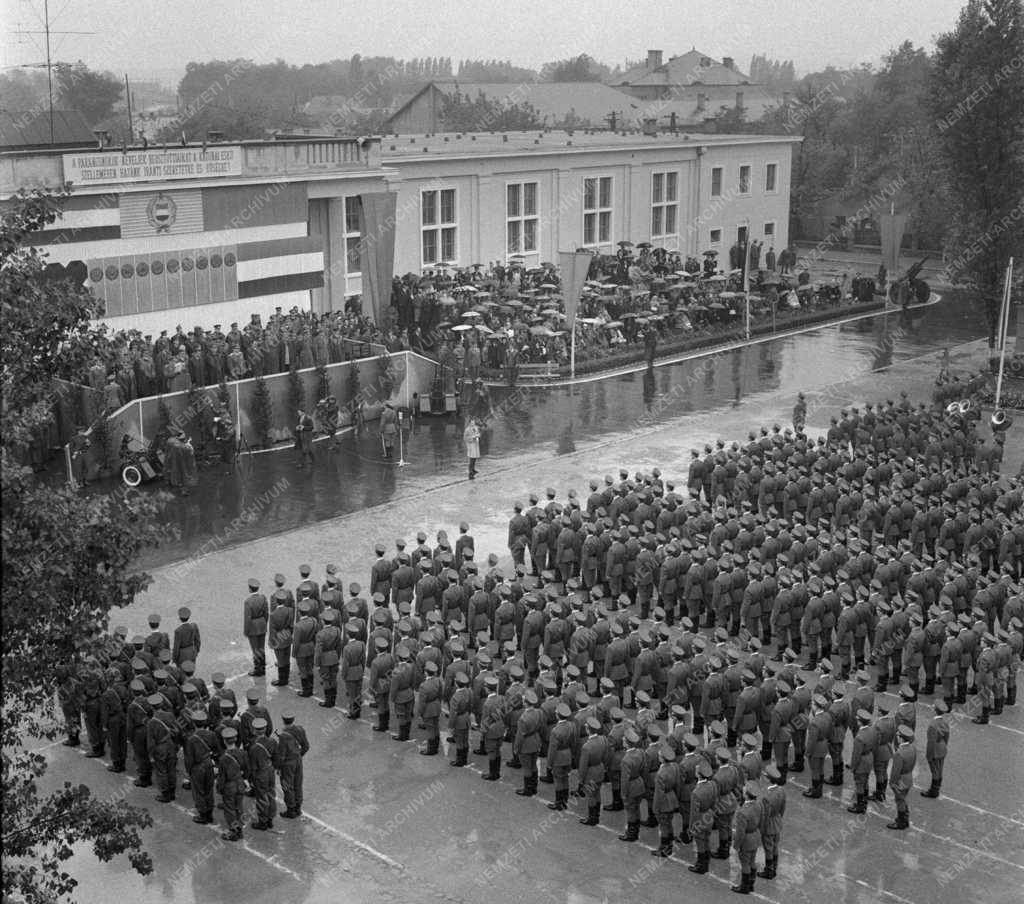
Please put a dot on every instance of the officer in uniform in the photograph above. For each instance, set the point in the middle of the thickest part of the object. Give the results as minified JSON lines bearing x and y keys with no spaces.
{"x":666,"y":799}
{"x":162,"y":739}
{"x":137,"y":718}
{"x":353,"y":658}
{"x":262,"y":750}
{"x":819,"y":736}
{"x":460,"y":708}
{"x":380,"y":681}
{"x":292,"y":746}
{"x":631,"y":784}
{"x":746,"y":836}
{"x":328,"y":656}
{"x":201,"y":751}
{"x":304,"y":646}
{"x":232,"y":770}
{"x":773,"y":803}
{"x":729,"y":781}
{"x":254,"y":710}
{"x":280,"y":627}
{"x":703,"y":804}
{"x":901,"y":776}
{"x":862,"y":761}
{"x":254,"y":627}
{"x":594,"y":757}
{"x":402,"y":692}
{"x":186,"y":639}
{"x":561,"y":743}
{"x":113,"y":702}
{"x":936,"y":747}
{"x":428,"y":707}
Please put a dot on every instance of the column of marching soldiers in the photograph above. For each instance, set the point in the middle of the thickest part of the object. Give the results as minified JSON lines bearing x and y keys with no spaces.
{"x":649,"y":640}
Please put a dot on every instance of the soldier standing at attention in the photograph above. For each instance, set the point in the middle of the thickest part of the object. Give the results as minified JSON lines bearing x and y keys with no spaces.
{"x":186,"y":639}
{"x":936,"y":747}
{"x":328,"y":656}
{"x":459,"y":716}
{"x":526,"y":744}
{"x":254,"y":627}
{"x":162,"y":738}
{"x":702,"y":816}
{"x":666,"y":799}
{"x":292,"y":746}
{"x":746,"y":837}
{"x":402,"y":692}
{"x":304,"y":646}
{"x":281,"y":625}
{"x":774,"y":808}
{"x":139,"y":714}
{"x":112,"y":716}
{"x":261,"y":771}
{"x":201,"y":751}
{"x":353,"y":659}
{"x":862,"y":760}
{"x":901,"y":776}
{"x":492,"y":727}
{"x":231,"y":773}
{"x":428,"y":707}
{"x":69,"y":693}
{"x":594,"y":757}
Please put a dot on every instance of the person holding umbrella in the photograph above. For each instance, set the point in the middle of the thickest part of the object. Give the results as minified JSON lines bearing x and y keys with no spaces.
{"x":471,"y":437}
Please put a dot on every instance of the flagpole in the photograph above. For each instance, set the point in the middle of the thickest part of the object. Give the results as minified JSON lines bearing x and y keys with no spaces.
{"x":1004,"y":323}
{"x":572,"y":351}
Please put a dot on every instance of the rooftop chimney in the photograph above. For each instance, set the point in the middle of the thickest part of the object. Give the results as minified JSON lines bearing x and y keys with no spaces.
{"x":728,"y":62}
{"x":653,"y":59}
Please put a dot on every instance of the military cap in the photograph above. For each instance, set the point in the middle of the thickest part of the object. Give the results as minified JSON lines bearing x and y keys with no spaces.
{"x":820,"y":700}
{"x":252,"y":695}
{"x":137,"y":685}
{"x":530,"y":696}
{"x":632,"y":737}
{"x":723,"y":754}
{"x":259,"y":724}
{"x":906,"y":733}
{"x":686,"y":623}
{"x":718,"y":728}
{"x":751,"y":790}
{"x":281,"y":595}
{"x":783,"y":688}
{"x":305,"y":607}
{"x":197,"y":715}
{"x":160,"y":675}
{"x":907,"y":693}
{"x":154,"y":620}
{"x":839,"y":690}
{"x":189,"y":688}
{"x":593,"y":724}
{"x":704,"y":769}
{"x":750,"y":740}
{"x":138,"y":640}
{"x":617,"y":715}
{"x":754,"y":644}
{"x":863,"y":716}
{"x":121,"y":631}
{"x":607,"y":685}
{"x":164,"y":656}
{"x":279,"y":578}
{"x":156,"y":699}
{"x":139,"y":665}
{"x":430,"y":668}
{"x":825,"y":666}
{"x":563,"y":710}
{"x":643,"y":698}
{"x":941,"y":707}
{"x":863,"y":676}
{"x":678,"y":712}
{"x":773,"y":773}
{"x":491,"y":681}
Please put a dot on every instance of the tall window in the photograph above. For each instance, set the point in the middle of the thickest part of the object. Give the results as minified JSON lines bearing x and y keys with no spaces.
{"x":716,"y":182}
{"x":439,"y":226}
{"x":521,"y":218}
{"x":769,"y":230}
{"x":664,"y":204}
{"x":770,"y":175}
{"x":744,"y":180}
{"x":597,"y":211}
{"x":352,"y":236}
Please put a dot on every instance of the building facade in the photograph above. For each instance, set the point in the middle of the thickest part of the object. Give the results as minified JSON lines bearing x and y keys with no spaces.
{"x":214,"y":234}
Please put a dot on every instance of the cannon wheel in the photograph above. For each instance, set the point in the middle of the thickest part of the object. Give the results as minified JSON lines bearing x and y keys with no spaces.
{"x":921,"y":290}
{"x":131,"y":475}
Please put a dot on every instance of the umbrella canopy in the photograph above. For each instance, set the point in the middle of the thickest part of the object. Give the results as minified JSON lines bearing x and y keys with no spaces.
{"x":540,"y":331}
{"x":548,"y":285}
{"x":644,"y":245}
{"x":548,"y":265}
{"x":443,"y":325}
{"x":716,"y":278}
{"x":471,"y":314}
{"x":716,"y":306}
{"x":462,"y":327}
{"x":730,"y":294}
{"x":711,"y":253}
{"x":737,"y":272}
{"x":614,"y":325}
{"x":469,"y":289}
{"x":625,"y":243}
{"x":448,"y":302}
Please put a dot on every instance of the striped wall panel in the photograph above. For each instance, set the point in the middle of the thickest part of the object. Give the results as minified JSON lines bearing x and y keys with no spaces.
{"x":274,"y":285}
{"x":161,"y":213}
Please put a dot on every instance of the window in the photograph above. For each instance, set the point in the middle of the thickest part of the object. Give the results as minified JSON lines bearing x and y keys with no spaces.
{"x":664,"y":198}
{"x":769,"y":230}
{"x":716,"y":182}
{"x":352,"y":236}
{"x":716,"y":236}
{"x":439,"y":225}
{"x":771,"y":171}
{"x":521,"y":218}
{"x":597,"y":211}
{"x":744,"y":180}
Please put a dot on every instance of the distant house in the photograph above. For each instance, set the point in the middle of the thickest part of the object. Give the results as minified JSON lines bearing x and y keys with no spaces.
{"x":695,"y":87}
{"x":26,"y":130}
{"x":558,"y":104}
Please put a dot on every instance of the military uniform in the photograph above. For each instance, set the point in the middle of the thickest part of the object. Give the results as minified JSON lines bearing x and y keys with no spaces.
{"x":254,"y":627}
{"x":327,"y":657}
{"x":292,"y":746}
{"x":304,"y":646}
{"x":232,"y":771}
{"x":262,"y":751}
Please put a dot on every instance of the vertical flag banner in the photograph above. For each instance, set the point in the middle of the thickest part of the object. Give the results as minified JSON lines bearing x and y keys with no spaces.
{"x":377,"y":250}
{"x":574,"y":266}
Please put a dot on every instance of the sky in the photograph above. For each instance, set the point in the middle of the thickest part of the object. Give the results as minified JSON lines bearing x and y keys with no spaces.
{"x":144,"y":38}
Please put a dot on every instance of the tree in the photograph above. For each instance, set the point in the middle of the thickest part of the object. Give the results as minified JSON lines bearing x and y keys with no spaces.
{"x":23,"y":91}
{"x":67,"y":563}
{"x":460,"y":113}
{"x":582,"y":68}
{"x":91,"y":93}
{"x":977,"y":100}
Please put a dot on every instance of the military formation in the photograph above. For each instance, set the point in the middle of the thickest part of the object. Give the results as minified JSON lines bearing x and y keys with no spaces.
{"x":689,"y":650}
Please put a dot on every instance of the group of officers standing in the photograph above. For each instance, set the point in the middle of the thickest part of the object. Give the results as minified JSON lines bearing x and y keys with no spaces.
{"x":882,"y":545}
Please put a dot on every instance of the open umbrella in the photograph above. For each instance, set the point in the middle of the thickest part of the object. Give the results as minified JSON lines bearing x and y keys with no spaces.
{"x":469,"y":289}
{"x":443,"y":325}
{"x":448,"y":302}
{"x":614,"y":325}
{"x":540,"y":331}
{"x":737,"y":272}
{"x":644,"y":245}
{"x":462,"y":327}
{"x":548,"y":285}
{"x":730,"y":294}
{"x":470,"y":314}
{"x":625,"y":243}
{"x":548,"y":265}
{"x":718,"y":277}
{"x":711,"y":253}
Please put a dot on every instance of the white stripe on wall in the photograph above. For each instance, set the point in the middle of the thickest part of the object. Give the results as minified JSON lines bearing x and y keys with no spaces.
{"x":84,"y":219}
{"x":68,"y":251}
{"x":281,"y":266}
{"x":224,"y":313}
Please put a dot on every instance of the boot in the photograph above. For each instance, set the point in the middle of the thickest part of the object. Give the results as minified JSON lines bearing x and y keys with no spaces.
{"x":723,"y":850}
{"x":494,"y":773}
{"x":307,"y":688}
{"x":461,"y":757}
{"x":684,"y":836}
{"x":616,"y":803}
{"x":547,"y":778}
{"x":929,"y":686}
{"x":593,"y":815}
{"x":997,"y":710}
{"x":769,"y":868}
{"x":701,"y":865}
{"x":561,"y":801}
{"x":355,"y":710}
{"x":914,"y":689}
{"x":480,"y":750}
{"x":632,"y":832}
{"x":282,"y":678}
{"x":730,"y":737}
{"x":403,"y":732}
{"x":1011,"y":696}
{"x":328,"y":701}
{"x":95,"y":753}
{"x":983,"y":718}
{"x":766,"y":750}
{"x":431,"y":748}
{"x":798,"y":764}
{"x":879,"y":794}
{"x":665,"y":848}
{"x":514,"y":763}
{"x":142,"y":783}
{"x":814,"y":792}
{"x":72,"y":740}
{"x":837,"y":776}
{"x":949,"y":701}
{"x":933,"y":789}
{"x":742,"y":886}
{"x":383,"y":718}
{"x":233,"y":835}
{"x":203,"y":819}
{"x":529,"y":788}
{"x":651,"y":821}
{"x":902,"y":821}
{"x":750,"y":882}
{"x":860,"y":804}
